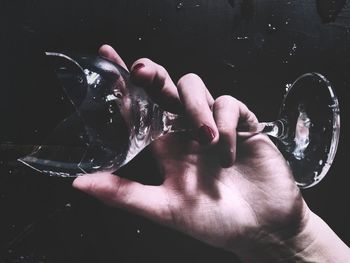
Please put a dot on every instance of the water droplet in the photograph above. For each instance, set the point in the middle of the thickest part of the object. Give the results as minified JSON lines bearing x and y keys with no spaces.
{"x":230,"y":65}
{"x":241,"y":38}
{"x":140,"y":38}
{"x":179,"y":5}
{"x":138,"y":231}
{"x":271,"y":28}
{"x":111,"y":108}
{"x":320,"y":162}
{"x":293,"y":49}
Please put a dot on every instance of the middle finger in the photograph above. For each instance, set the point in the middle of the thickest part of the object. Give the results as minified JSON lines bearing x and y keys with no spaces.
{"x":194,"y":96}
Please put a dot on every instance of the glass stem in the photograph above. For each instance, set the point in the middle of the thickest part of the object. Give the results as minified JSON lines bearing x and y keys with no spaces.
{"x":276,"y":129}
{"x":178,"y":123}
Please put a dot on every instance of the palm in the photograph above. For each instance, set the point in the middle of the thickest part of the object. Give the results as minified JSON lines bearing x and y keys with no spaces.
{"x":196,"y":184}
{"x":254,"y":193}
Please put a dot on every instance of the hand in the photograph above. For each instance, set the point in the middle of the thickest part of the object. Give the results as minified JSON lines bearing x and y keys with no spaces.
{"x":231,"y":192}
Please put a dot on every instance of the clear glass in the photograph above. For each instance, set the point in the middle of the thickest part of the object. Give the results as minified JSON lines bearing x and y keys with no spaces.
{"x":308,"y":128}
{"x":114,"y":120}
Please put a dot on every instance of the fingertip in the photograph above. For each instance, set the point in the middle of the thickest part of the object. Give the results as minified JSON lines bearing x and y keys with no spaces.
{"x":105,"y":47}
{"x":106,"y":51}
{"x":83,"y":182}
{"x":92,"y":182}
{"x":109,"y":52}
{"x":140,"y":63}
{"x":146,"y":73}
{"x":227,"y":158}
{"x":139,"y":75}
{"x":136,"y":71}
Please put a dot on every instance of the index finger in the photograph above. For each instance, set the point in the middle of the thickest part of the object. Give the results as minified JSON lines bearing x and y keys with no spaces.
{"x":108,"y":52}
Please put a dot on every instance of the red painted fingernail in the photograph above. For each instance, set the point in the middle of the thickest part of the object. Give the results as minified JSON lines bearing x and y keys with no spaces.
{"x":135,"y":78}
{"x":138,"y":66}
{"x":205,"y":134}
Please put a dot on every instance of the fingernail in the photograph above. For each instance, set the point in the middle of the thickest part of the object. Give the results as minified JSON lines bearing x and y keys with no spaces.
{"x":135,"y":78}
{"x":137,"y":67}
{"x":205,"y":135}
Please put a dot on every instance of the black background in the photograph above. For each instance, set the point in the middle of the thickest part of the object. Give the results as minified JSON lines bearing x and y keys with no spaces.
{"x":248,"y":49}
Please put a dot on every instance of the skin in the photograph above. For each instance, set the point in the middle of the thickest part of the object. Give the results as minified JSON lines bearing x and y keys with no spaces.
{"x":231,"y":192}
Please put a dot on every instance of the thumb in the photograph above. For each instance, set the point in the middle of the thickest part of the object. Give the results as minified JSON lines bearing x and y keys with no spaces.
{"x":145,"y":200}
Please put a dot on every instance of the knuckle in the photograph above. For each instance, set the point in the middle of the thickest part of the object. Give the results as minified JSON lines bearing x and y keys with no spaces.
{"x":193,"y":76}
{"x":225,"y":101}
{"x":162,"y":72}
{"x":189,"y":77}
{"x":160,"y":76}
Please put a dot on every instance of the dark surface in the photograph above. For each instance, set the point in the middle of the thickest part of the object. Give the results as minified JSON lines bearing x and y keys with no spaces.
{"x":248,"y":49}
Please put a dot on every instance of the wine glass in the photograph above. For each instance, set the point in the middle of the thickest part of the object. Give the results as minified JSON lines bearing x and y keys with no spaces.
{"x":114,"y":120}
{"x":308,"y":128}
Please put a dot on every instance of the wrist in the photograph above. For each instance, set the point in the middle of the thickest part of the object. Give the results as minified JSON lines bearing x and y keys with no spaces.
{"x":312,"y":241}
